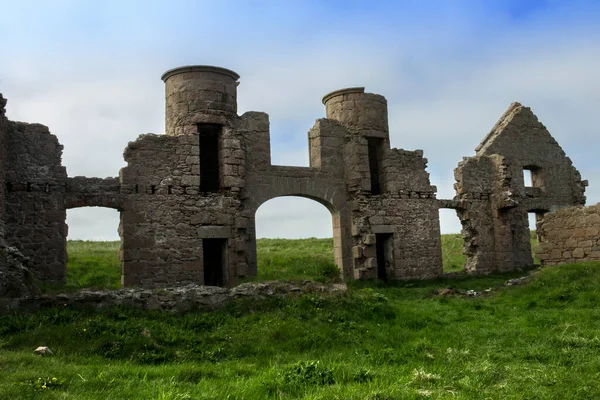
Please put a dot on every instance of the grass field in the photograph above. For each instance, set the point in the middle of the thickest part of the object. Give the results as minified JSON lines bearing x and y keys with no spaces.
{"x":96,"y":264}
{"x":379,"y":341}
{"x":538,"y":341}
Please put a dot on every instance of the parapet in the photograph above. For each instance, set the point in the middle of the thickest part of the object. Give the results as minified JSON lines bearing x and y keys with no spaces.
{"x":366,"y":112}
{"x":198,"y":94}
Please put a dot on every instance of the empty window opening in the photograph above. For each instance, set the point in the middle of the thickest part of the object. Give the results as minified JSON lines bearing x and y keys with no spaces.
{"x":29,"y":186}
{"x":453,"y":258}
{"x":375,"y":146}
{"x":209,"y":135}
{"x":384,"y":249}
{"x":93,"y":246}
{"x":295,"y":240}
{"x":532,"y":176}
{"x":9,"y":187}
{"x":527,"y":178}
{"x":214,"y":256}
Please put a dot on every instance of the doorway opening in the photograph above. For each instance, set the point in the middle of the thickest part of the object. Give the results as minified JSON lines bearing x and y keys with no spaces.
{"x":214,"y":261}
{"x":453,"y":258}
{"x":533,"y":218}
{"x":93,"y":246}
{"x":295,"y":241}
{"x":384,"y":251}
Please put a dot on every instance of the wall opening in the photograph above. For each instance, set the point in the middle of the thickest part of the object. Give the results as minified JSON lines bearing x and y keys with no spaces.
{"x":214,"y":261}
{"x":533,"y":218}
{"x":527,"y":178}
{"x":210,"y":157}
{"x":375,"y":146}
{"x":295,"y":241}
{"x":453,"y":258}
{"x":532,"y":176}
{"x":93,"y":246}
{"x":384,"y":250}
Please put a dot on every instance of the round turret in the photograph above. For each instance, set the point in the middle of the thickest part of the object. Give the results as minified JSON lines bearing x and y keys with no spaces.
{"x":354,"y":107}
{"x":198,"y":94}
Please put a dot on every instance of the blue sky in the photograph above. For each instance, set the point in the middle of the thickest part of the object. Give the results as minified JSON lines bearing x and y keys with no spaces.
{"x":91,"y":71}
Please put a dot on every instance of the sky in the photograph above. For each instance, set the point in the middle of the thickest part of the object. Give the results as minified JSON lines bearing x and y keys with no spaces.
{"x":91,"y":71}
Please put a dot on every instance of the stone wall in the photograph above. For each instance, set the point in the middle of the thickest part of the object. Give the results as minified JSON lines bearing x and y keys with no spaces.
{"x":494,"y":200}
{"x":570,"y":235}
{"x":180,"y":299}
{"x":82,"y":191}
{"x":35,"y":213}
{"x":188,"y":199}
{"x":3,"y":133}
{"x":15,"y":278}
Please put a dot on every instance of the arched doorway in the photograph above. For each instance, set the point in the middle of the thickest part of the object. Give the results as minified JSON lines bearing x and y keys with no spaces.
{"x":298,"y":238}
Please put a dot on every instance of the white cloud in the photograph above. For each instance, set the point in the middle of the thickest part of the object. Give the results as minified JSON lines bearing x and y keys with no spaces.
{"x":447,"y":81}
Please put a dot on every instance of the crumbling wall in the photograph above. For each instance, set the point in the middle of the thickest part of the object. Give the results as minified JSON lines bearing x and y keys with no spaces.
{"x":474,"y":189}
{"x":570,"y":235}
{"x":35,"y":185}
{"x":3,"y":133}
{"x":494,"y":200}
{"x":15,"y":278}
{"x":188,"y":199}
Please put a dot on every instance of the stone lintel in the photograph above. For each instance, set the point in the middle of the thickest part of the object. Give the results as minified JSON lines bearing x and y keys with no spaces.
{"x":210,"y":232}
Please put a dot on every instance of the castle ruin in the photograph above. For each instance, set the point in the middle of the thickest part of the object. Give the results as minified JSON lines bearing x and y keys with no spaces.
{"x":188,"y":198}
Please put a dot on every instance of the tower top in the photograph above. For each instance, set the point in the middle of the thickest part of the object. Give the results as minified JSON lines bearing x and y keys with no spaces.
{"x":200,"y":68}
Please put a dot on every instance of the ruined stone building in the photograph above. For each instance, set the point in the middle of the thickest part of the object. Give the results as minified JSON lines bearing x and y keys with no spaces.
{"x":188,"y":198}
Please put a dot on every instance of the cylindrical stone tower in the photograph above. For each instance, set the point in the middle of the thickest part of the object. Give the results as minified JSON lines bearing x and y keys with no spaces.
{"x":365,"y":111}
{"x":198,"y":94}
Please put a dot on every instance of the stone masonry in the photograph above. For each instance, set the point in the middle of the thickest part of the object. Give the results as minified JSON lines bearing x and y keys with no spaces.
{"x":570,"y":235}
{"x":188,"y":198}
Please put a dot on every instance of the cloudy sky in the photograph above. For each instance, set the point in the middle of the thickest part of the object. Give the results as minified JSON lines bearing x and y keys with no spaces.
{"x":91,"y":70}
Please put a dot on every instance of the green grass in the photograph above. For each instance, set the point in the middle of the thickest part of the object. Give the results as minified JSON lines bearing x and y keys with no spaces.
{"x":538,"y":341}
{"x":96,"y":264}
{"x":453,"y":258}
{"x":93,"y":265}
{"x":293,"y":260}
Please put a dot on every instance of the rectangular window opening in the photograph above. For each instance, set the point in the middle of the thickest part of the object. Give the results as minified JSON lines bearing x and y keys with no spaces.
{"x":214,"y":257}
{"x":210,"y":157}
{"x":384,"y":250}
{"x":527,"y":177}
{"x":375,"y":146}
